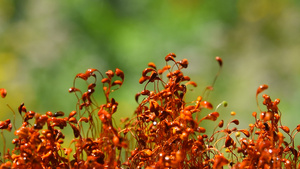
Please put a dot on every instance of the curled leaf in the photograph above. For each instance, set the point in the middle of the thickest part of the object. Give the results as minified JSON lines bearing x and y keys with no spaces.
{"x":117,"y":82}
{"x":161,"y":71}
{"x":73,"y":89}
{"x":147,"y":70}
{"x":212,"y":116}
{"x":75,"y":130}
{"x":145,"y":92}
{"x":22,"y":108}
{"x":72,"y":114}
{"x":82,"y":76}
{"x":92,"y":86}
{"x":229,"y":141}
{"x":90,"y":71}
{"x":206,"y":105}
{"x":137,"y":97}
{"x":185,"y":78}
{"x":153,"y":76}
{"x":246,"y":132}
{"x":261,"y":88}
{"x":83,"y":119}
{"x":151,"y":64}
{"x":5,"y":124}
{"x":201,"y":129}
{"x":184,"y":63}
{"x":109,"y":74}
{"x":276,"y":102}
{"x":59,"y":113}
{"x":191,"y":83}
{"x":170,"y":56}
{"x":143,"y":79}
{"x":285,"y":129}
{"x":72,"y":120}
{"x":120,"y":73}
{"x":235,"y":121}
{"x":105,"y":80}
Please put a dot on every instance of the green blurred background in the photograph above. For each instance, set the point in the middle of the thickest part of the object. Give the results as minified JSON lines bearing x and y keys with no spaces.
{"x":44,"y":44}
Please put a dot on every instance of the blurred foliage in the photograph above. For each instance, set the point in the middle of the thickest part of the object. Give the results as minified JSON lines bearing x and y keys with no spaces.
{"x":44,"y":44}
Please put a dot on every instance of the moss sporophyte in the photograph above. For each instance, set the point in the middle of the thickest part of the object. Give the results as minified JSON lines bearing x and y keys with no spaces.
{"x":165,"y":132}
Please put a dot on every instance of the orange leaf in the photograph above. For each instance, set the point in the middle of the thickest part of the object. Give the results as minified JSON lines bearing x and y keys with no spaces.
{"x":261,"y":88}
{"x":206,"y":105}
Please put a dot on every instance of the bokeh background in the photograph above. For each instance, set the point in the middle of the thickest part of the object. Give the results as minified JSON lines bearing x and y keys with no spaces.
{"x":44,"y":44}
